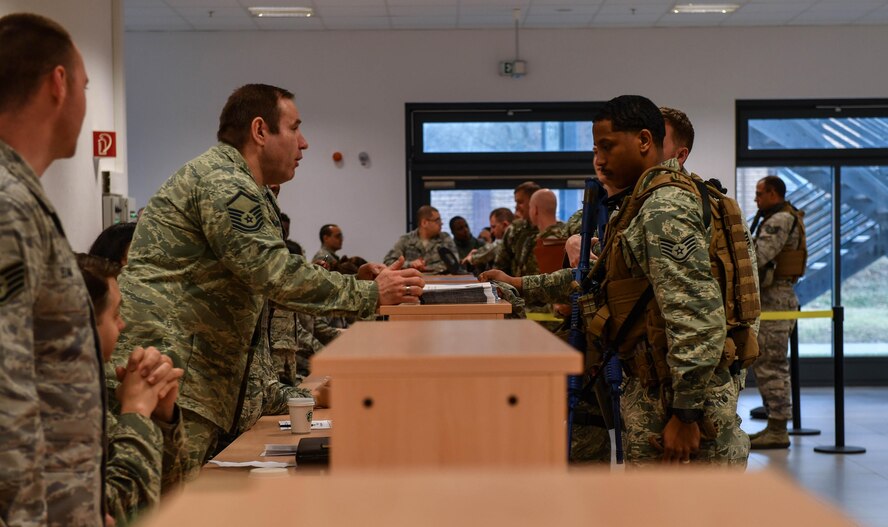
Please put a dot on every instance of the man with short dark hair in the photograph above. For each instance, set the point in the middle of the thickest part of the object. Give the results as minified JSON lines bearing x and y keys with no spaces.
{"x":462,"y":237}
{"x":51,"y":425}
{"x":679,"y":138}
{"x":516,"y":256}
{"x":686,"y":412}
{"x":331,"y":241}
{"x":500,"y":219}
{"x":208,"y":253}
{"x":419,"y":247}
{"x":778,"y":229}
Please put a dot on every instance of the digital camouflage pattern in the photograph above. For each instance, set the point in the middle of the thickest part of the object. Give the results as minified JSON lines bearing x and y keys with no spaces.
{"x":51,"y":394}
{"x":206,"y":255}
{"x":722,"y":441}
{"x":467,"y":246}
{"x":411,"y":246}
{"x":265,"y":394}
{"x":145,"y":458}
{"x":283,"y":345}
{"x":325,"y":254}
{"x":667,"y":242}
{"x":518,"y":243}
{"x":488,"y":253}
{"x":771,"y":369}
{"x":312,"y":334}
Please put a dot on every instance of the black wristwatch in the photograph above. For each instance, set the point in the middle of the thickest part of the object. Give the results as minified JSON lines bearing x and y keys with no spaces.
{"x":688,"y":416}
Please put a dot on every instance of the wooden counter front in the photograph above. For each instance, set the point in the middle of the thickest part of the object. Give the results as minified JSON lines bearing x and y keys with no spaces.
{"x":463,"y":393}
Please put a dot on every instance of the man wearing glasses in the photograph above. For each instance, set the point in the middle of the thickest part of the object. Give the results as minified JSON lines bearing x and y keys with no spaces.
{"x":419,"y":247}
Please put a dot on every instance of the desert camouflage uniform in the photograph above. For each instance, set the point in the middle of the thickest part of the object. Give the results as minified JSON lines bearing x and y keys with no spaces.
{"x":51,"y":394}
{"x":145,"y":458}
{"x":205,"y":256}
{"x":411,"y":247}
{"x":691,"y":304}
{"x":771,"y":369}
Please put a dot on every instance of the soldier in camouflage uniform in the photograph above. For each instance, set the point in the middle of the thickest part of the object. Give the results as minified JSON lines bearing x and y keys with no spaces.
{"x":51,"y":401}
{"x":775,"y":230}
{"x":331,"y":241}
{"x":462,"y":237}
{"x":666,"y":243}
{"x":482,"y":258}
{"x":146,"y":442}
{"x":520,"y":237}
{"x":208,"y":252}
{"x":419,"y":247}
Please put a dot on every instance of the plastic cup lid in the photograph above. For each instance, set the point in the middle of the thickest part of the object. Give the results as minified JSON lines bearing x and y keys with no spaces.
{"x":300,"y":401}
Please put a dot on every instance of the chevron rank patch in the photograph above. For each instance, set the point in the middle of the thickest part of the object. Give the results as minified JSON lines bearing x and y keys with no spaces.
{"x":12,"y":281}
{"x":678,"y":252}
{"x":245,"y":212}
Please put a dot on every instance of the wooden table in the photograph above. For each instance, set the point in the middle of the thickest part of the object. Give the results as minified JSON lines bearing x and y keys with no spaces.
{"x":466,"y":393}
{"x":447,"y":311}
{"x":665,"y":498}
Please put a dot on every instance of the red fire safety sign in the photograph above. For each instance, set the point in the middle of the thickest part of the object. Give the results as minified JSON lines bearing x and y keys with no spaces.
{"x":105,"y":144}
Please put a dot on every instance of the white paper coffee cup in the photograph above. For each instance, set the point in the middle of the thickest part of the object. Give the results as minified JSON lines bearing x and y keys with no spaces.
{"x":301,"y":409}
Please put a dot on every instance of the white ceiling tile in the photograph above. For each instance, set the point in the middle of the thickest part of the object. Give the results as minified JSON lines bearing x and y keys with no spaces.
{"x":488,"y":11}
{"x":774,"y":8}
{"x":277,"y":3}
{"x":209,"y":4}
{"x":127,"y":4}
{"x":351,"y":11}
{"x":423,"y":11}
{"x":485,"y":21}
{"x":290,"y":24}
{"x":424,"y":22}
{"x":321,"y":3}
{"x":422,"y":3}
{"x":562,"y":10}
{"x":634,"y":10}
{"x":356,"y":22}
{"x":553,"y":21}
{"x":217,"y":12}
{"x":506,"y":4}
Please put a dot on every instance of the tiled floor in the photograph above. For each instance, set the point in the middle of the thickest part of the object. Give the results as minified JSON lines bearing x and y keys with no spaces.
{"x":858,"y":484}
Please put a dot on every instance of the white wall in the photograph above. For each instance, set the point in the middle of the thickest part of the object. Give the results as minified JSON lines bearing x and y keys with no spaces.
{"x":72,"y":184}
{"x":351,"y":89}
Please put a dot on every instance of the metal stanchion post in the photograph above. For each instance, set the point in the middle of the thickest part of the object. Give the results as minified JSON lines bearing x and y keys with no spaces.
{"x":795,"y":380}
{"x":838,"y":327}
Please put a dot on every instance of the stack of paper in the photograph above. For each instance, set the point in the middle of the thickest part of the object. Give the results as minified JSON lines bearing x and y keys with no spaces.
{"x":480,"y":293}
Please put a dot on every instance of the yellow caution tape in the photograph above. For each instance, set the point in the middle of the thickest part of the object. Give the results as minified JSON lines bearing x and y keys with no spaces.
{"x":793,"y":315}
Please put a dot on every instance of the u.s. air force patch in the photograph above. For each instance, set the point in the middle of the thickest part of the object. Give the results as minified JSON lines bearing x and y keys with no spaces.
{"x":12,"y":281}
{"x":678,"y":252}
{"x":245,"y":212}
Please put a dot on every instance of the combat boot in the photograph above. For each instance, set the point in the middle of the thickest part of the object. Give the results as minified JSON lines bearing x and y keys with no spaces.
{"x":772,"y":437}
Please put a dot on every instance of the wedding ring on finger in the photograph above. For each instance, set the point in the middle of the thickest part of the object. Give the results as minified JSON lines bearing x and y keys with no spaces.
{"x":685,"y":461}
{"x":406,"y":290}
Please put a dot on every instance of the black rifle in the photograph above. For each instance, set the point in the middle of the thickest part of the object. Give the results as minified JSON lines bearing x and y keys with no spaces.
{"x":577,"y":336}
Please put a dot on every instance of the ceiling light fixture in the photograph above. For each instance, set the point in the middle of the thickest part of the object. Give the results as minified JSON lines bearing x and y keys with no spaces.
{"x":281,"y":12}
{"x":697,"y":9}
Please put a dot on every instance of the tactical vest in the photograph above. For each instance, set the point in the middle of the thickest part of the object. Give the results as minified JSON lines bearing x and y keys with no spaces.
{"x":626,"y":299}
{"x":789,"y":264}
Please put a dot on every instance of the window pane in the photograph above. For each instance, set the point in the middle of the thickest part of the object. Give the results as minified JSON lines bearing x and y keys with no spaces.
{"x":475,"y":205}
{"x":493,"y":137}
{"x":829,"y":134}
{"x":810,"y":190}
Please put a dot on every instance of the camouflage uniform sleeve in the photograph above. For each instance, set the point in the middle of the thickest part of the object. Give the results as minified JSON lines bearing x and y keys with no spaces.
{"x":396,"y":252}
{"x":22,"y":487}
{"x":450,"y":244}
{"x":175,"y":451}
{"x":772,"y":237}
{"x":256,"y":254}
{"x":275,"y":393}
{"x":506,"y":254}
{"x":324,"y":332}
{"x":552,"y":288}
{"x":133,"y":470}
{"x":669,"y":242}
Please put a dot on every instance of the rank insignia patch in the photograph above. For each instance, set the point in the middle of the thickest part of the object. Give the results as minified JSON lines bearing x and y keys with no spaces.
{"x":245,"y":213}
{"x":12,"y":281}
{"x":678,"y":252}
